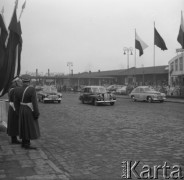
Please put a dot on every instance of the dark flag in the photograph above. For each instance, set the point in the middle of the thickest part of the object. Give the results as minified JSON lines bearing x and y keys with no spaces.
{"x":140,"y":44}
{"x":181,"y":33}
{"x":13,"y":53}
{"x":158,"y":41}
{"x":3,"y":36}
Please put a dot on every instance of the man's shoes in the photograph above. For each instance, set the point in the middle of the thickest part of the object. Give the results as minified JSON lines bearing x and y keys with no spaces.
{"x":29,"y":147}
{"x":16,"y":142}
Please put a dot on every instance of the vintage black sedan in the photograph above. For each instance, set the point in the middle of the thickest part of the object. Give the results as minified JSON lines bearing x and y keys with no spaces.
{"x":49,"y":94}
{"x":96,"y":95}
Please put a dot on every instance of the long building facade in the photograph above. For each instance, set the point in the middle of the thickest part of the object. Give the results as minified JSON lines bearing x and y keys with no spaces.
{"x":157,"y":75}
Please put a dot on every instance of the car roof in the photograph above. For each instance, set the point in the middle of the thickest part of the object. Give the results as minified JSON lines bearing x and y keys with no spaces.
{"x":93,"y":86}
{"x":142,"y":87}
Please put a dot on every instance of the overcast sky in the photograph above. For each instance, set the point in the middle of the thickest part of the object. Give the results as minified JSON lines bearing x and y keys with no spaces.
{"x":92,"y":33}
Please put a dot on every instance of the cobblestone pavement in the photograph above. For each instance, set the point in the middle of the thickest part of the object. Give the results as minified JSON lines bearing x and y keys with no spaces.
{"x":85,"y":142}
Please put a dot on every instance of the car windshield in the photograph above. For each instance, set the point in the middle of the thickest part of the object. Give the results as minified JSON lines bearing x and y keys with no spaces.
{"x":50,"y":89}
{"x":98,"y":90}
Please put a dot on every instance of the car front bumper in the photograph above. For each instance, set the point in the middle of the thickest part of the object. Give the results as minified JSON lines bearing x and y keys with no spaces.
{"x":52,"y":99}
{"x":106,"y":101}
{"x":159,"y":98}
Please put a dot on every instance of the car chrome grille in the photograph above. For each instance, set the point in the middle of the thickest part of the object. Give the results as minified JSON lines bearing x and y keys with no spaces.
{"x":53,"y":97}
{"x":106,"y":97}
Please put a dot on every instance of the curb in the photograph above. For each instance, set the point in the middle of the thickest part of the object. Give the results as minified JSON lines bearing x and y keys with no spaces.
{"x":167,"y":99}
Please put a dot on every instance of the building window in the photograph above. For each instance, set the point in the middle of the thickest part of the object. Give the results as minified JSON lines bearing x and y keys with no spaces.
{"x":181,"y":63}
{"x":176,"y":65}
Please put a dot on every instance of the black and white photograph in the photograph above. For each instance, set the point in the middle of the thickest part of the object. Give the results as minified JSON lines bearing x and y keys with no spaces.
{"x":91,"y":89}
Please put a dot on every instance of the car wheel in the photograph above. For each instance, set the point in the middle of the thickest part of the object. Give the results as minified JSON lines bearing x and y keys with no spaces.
{"x":161,"y":101}
{"x":133,"y":98}
{"x":111,"y":103}
{"x":150,"y":100}
{"x":59,"y":101}
{"x":95,"y":102}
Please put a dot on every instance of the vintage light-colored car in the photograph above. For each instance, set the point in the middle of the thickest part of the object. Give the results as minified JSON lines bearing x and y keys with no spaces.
{"x":122,"y":90}
{"x":145,"y":93}
{"x":113,"y":88}
{"x":96,"y":95}
{"x":49,"y":94}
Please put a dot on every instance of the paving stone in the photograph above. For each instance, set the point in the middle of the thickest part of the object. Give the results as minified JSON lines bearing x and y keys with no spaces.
{"x":84,"y":142}
{"x":41,"y":177}
{"x":2,"y":176}
{"x":26,"y":163}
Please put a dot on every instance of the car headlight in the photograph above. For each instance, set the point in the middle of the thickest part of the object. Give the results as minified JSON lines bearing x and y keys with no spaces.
{"x":59,"y":95}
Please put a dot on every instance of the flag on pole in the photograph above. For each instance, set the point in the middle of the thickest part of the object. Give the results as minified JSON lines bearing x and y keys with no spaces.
{"x":3,"y":36}
{"x":158,"y":40}
{"x":140,"y":44}
{"x":24,"y":5}
{"x":181,"y":33}
{"x":13,"y":52}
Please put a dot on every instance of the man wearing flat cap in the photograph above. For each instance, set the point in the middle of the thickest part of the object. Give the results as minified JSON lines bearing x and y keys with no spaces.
{"x":27,"y":107}
{"x":13,"y":118}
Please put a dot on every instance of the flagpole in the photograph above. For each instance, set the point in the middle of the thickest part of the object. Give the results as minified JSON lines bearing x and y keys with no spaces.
{"x":135,"y":63}
{"x":23,"y":6}
{"x":154,"y":53}
{"x":154,"y":46}
{"x":135,"y":51}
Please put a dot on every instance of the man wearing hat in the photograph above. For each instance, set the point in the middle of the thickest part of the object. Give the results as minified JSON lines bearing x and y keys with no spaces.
{"x":27,"y":107}
{"x":13,"y":121}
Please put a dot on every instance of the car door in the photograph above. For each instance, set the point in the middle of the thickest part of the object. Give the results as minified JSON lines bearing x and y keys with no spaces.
{"x":136,"y":93}
{"x":86,"y":94}
{"x":142,"y":94}
{"x":90,"y":95}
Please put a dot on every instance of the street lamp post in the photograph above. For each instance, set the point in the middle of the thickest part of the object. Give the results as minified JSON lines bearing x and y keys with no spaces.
{"x":128,"y":51}
{"x":69,"y":64}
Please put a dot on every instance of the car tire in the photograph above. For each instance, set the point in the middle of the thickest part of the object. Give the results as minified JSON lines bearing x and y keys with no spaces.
{"x":150,"y":100}
{"x":59,"y":101}
{"x":161,"y":101}
{"x":111,"y":103}
{"x":133,"y":98}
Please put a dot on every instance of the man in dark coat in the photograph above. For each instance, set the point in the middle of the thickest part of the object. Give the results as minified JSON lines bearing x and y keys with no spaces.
{"x":13,"y":121}
{"x":27,"y":107}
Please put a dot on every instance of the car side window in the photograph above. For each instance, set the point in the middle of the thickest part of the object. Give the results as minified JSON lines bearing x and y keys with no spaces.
{"x":141,"y":90}
{"x":86,"y":90}
{"x":136,"y":90}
